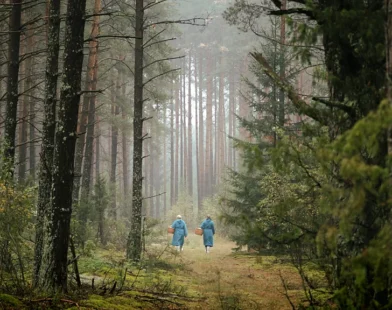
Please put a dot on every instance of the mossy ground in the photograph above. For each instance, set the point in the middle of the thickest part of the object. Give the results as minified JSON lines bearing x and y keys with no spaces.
{"x":165,"y":279}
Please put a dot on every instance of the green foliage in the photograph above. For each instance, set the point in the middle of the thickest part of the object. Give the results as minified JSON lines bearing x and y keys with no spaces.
{"x":8,"y":301}
{"x":16,"y":227}
{"x":326,"y":188}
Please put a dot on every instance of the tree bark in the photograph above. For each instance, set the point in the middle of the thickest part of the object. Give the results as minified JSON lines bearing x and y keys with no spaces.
{"x":164,"y":164}
{"x":190,"y":161}
{"x":55,"y":278}
{"x":84,"y":113}
{"x":172,"y":154}
{"x":282,"y":64}
{"x":231,"y":112}
{"x":125,"y":151}
{"x":209,"y":131}
{"x":32,"y":152}
{"x":12,"y":82}
{"x":201,"y":170}
{"x":48,"y":134}
{"x":134,"y":246}
{"x":221,"y":124}
{"x":197,"y":171}
{"x":181,"y":129}
{"x":114,"y":147}
{"x":178,"y":130}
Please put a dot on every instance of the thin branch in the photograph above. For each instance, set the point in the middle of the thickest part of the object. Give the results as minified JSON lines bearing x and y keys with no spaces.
{"x":153,"y":37}
{"x":157,"y":195}
{"x":159,"y":60}
{"x":146,"y":118}
{"x":110,"y":36}
{"x":153,"y":78}
{"x":190,"y":21}
{"x":151,"y":4}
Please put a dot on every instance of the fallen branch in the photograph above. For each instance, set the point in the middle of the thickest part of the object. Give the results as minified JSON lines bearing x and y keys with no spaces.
{"x":156,"y":298}
{"x":62,"y":300}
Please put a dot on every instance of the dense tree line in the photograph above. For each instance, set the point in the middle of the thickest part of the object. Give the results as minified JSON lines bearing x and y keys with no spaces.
{"x":116,"y":114}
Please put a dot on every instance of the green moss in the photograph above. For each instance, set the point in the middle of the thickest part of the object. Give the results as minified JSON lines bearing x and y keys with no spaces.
{"x":9,"y":301}
{"x":111,"y":303}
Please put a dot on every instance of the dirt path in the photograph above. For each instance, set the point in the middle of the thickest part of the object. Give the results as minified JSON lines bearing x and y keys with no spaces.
{"x":236,"y":281}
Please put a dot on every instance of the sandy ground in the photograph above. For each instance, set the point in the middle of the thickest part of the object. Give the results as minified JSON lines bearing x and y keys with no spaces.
{"x":229,"y":280}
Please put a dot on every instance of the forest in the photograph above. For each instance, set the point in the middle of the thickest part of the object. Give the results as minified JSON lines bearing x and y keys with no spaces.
{"x":270,"y":119}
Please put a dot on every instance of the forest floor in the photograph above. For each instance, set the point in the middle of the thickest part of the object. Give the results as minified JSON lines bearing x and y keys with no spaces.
{"x":192,"y":279}
{"x":165,"y":279}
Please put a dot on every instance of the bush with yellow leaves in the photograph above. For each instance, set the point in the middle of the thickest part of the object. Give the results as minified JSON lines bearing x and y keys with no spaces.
{"x":16,"y":228}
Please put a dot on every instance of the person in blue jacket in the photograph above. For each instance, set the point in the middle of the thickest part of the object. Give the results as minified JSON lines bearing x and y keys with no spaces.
{"x":180,"y":232}
{"x":208,"y":233}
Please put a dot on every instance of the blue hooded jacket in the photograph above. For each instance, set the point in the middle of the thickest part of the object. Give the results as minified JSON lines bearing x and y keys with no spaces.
{"x":180,"y":231}
{"x":208,"y":232}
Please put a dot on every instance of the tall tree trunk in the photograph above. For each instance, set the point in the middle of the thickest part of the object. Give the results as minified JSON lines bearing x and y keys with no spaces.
{"x":87,"y":128}
{"x":22,"y":136}
{"x":177,"y":150}
{"x":55,"y":278}
{"x":151,"y":164}
{"x":26,"y":71}
{"x":83,"y":115}
{"x":48,"y":134}
{"x":201,"y":170}
{"x":181,"y":129}
{"x":31,"y":42}
{"x":282,"y":64}
{"x":172,"y":162}
{"x":12,"y":81}
{"x":190,"y":161}
{"x":97,"y":150}
{"x":114,"y":147}
{"x":134,"y":246}
{"x":209,"y":152}
{"x":197,"y":171}
{"x":164,"y":164}
{"x":231,"y":125}
{"x":184,"y":119}
{"x":32,"y":152}
{"x":221,"y":123}
{"x":125,"y":151}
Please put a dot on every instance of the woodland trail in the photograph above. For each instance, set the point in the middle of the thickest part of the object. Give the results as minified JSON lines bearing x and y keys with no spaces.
{"x":228,"y":280}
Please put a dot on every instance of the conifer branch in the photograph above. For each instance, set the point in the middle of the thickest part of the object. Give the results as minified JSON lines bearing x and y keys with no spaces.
{"x":301,"y":105}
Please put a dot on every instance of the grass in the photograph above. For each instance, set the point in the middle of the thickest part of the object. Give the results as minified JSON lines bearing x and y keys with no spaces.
{"x":166,"y":279}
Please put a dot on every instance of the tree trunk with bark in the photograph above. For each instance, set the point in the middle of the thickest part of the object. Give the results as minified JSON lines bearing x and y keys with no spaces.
{"x":189,"y":158}
{"x":12,"y":82}
{"x":48,"y":134}
{"x":172,"y":161}
{"x":125,"y":151}
{"x":84,"y":113}
{"x":209,"y":132}
{"x":231,"y":105}
{"x":197,"y":177}
{"x":134,"y":244}
{"x":200,"y":168}
{"x":55,"y":278}
{"x":221,"y":123}
{"x":178,"y":129}
{"x":114,"y":148}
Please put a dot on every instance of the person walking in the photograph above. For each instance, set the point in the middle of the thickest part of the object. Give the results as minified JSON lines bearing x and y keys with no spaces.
{"x":208,"y":233}
{"x":180,"y":232}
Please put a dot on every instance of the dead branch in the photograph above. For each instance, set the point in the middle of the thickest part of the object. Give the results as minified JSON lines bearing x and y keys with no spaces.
{"x":62,"y":300}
